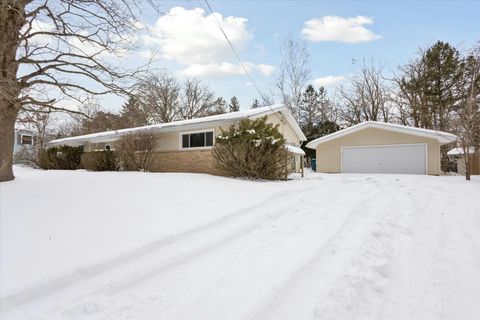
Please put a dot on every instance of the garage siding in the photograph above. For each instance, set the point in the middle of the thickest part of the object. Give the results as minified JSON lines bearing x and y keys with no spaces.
{"x":329,"y":153}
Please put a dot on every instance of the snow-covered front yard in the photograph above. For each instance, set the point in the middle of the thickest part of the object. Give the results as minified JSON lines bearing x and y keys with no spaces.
{"x":83,"y":245}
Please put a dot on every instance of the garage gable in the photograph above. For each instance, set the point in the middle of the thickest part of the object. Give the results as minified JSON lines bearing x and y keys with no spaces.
{"x":385,"y":151}
{"x":440,"y":136}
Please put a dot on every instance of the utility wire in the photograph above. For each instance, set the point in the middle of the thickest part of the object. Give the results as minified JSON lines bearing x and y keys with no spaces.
{"x":235,"y":53}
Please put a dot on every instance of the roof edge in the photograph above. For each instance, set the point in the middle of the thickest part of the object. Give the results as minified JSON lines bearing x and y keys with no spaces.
{"x":171,"y":126}
{"x":440,"y":136}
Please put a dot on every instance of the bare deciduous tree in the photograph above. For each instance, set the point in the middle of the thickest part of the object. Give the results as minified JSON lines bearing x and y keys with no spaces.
{"x":51,"y":49}
{"x":426,"y":87}
{"x":160,"y":95}
{"x":136,"y":151}
{"x":198,"y":100}
{"x":293,"y":74}
{"x":367,"y":98}
{"x":468,"y":110}
{"x":410,"y":100}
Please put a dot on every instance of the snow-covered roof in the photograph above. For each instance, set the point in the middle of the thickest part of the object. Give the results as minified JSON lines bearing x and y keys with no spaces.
{"x":459,"y":151}
{"x":185,"y":124}
{"x":295,"y":150}
{"x":440,"y":136}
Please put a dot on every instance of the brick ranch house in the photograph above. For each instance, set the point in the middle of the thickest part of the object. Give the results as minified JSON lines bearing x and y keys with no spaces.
{"x":186,"y":146}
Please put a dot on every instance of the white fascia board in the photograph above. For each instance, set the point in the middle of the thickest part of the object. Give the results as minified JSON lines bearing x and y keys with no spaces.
{"x":182,"y":125}
{"x":441,"y":137}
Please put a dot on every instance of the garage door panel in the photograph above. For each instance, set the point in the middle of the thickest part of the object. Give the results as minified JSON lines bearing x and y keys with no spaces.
{"x":408,"y":158}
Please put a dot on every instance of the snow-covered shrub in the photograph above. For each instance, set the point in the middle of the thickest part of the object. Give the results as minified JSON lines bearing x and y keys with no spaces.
{"x":101,"y":160}
{"x":135,"y":151}
{"x":253,"y":149}
{"x":60,"y":157}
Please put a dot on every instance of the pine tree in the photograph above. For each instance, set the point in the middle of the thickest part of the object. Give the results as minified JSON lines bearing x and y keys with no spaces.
{"x":428,"y":91}
{"x":427,"y":87}
{"x":442,"y":73}
{"x":256,"y":104}
{"x":234,"y":105}
{"x":133,"y":114}
{"x":310,"y":107}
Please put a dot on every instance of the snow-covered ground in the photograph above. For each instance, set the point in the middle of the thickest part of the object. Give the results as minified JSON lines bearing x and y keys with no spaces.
{"x":82,"y":245}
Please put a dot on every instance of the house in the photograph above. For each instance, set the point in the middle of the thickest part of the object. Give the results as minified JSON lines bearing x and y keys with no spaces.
{"x":24,"y":140}
{"x":377,"y":147}
{"x":186,"y":146}
{"x":457,"y":156}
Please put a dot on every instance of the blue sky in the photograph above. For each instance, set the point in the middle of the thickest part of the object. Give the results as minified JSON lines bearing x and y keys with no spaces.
{"x":187,"y":41}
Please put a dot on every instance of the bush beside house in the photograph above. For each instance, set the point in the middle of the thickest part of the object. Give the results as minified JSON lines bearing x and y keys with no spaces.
{"x":135,"y":151}
{"x":61,"y":157}
{"x":102,"y":160}
{"x":252,"y":149}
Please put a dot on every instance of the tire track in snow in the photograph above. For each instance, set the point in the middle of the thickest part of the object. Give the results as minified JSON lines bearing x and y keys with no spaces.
{"x":262,"y":231}
{"x":91,"y":271}
{"x":136,"y":276}
{"x":368,"y":259}
{"x":433,"y":260}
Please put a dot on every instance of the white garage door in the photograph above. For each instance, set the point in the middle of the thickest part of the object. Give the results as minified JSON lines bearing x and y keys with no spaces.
{"x":402,"y":158}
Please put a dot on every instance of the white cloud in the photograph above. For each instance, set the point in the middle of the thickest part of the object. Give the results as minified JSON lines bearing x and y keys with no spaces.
{"x":265,"y":69}
{"x":190,"y":36}
{"x":328,"y":81}
{"x":339,"y":29}
{"x":193,"y":39}
{"x":226,"y":68}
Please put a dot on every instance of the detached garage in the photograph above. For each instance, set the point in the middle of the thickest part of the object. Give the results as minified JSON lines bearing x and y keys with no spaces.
{"x":377,"y":147}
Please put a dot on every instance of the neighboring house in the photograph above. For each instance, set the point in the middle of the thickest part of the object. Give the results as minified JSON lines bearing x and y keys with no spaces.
{"x":377,"y":147}
{"x":24,"y":140}
{"x":186,"y":146}
{"x":457,"y":156}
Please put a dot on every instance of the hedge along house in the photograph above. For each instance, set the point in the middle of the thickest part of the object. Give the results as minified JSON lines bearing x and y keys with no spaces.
{"x":377,"y":147}
{"x":186,"y":146}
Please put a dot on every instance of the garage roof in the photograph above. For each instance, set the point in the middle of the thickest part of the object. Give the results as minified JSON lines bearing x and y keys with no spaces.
{"x":440,"y":136}
{"x":459,"y":151}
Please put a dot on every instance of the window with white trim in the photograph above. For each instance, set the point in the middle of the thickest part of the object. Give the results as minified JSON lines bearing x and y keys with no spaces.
{"x":199,"y":139}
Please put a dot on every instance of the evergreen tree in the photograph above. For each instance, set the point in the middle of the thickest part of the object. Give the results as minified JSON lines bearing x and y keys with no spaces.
{"x":256,"y":104}
{"x":442,"y":73}
{"x":428,"y":90}
{"x":234,"y":105}
{"x":427,"y":93}
{"x":310,"y":107}
{"x":133,"y":114}
{"x":316,"y":109}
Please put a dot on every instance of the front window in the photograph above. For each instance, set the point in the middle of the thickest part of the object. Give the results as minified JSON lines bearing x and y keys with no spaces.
{"x":197,"y":139}
{"x":27,"y":139}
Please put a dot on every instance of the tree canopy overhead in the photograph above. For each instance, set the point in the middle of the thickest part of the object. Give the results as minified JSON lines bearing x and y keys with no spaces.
{"x":59,"y":49}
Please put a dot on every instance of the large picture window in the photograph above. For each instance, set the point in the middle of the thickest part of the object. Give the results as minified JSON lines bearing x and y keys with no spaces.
{"x":197,"y":139}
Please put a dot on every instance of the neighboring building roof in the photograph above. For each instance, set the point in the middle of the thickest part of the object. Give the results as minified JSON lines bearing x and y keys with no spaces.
{"x":295,"y":150}
{"x":440,"y":136}
{"x":186,"y":125}
{"x":22,"y":128}
{"x":459,"y":151}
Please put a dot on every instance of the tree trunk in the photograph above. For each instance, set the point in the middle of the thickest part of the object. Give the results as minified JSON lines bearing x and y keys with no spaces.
{"x":8,"y":116}
{"x":467,"y":159}
{"x":12,"y":18}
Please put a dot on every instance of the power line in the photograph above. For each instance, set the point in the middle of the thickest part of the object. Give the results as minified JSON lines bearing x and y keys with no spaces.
{"x":235,"y":52}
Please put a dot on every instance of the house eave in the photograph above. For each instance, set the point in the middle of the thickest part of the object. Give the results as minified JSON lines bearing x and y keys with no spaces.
{"x":441,"y":137}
